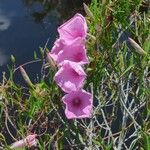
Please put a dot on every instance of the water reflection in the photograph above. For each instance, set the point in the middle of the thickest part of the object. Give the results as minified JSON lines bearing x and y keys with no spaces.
{"x":26,"y":25}
{"x":4,"y":25}
{"x":3,"y":58}
{"x":64,"y":8}
{"x":40,"y":9}
{"x":4,"y":21}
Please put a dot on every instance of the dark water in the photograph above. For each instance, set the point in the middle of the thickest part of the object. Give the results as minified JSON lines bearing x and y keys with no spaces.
{"x":26,"y":25}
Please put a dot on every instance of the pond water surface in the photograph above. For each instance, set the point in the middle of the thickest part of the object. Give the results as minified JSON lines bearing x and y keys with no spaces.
{"x":26,"y":25}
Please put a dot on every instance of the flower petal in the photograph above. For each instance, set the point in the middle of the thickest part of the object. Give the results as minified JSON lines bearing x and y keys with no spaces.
{"x":58,"y":46}
{"x":73,"y":28}
{"x":75,"y":52}
{"x":70,"y":77}
{"x":83,"y":110}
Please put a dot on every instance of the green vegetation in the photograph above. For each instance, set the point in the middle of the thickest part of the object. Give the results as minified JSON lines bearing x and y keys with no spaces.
{"x":118,"y":77}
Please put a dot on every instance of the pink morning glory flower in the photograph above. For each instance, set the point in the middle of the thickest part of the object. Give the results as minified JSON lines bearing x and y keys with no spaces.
{"x":75,"y":52}
{"x":70,"y":77}
{"x":29,"y":141}
{"x":74,"y":28}
{"x":58,"y":46}
{"x":78,"y":104}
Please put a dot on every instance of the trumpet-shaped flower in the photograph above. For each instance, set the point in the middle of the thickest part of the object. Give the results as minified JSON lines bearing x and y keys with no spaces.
{"x":74,"y":28}
{"x":58,"y":46}
{"x":78,"y":104}
{"x":70,"y":77}
{"x":29,"y":141}
{"x":75,"y":52}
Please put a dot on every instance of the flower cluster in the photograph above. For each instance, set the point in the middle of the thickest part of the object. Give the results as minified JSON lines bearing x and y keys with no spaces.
{"x":69,"y":53}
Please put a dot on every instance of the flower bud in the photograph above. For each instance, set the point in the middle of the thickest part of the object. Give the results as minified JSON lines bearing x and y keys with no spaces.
{"x":88,"y":11}
{"x":136,"y":46}
{"x":51,"y":61}
{"x":29,"y":141}
{"x":25,"y":76}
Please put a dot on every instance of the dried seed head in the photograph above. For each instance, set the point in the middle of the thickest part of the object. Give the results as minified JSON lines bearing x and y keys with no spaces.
{"x":88,"y":11}
{"x":51,"y":61}
{"x":136,"y":46}
{"x":25,"y":76}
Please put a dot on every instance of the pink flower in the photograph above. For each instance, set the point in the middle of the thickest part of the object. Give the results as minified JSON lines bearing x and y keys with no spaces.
{"x":29,"y":141}
{"x":70,"y":77}
{"x":58,"y":46}
{"x":78,"y":104}
{"x":74,"y":28}
{"x":75,"y":52}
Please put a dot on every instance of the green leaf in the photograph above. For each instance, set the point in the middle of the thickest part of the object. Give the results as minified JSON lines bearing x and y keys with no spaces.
{"x":35,"y":55}
{"x":128,"y":69}
{"x":13,"y":59}
{"x":146,"y":142}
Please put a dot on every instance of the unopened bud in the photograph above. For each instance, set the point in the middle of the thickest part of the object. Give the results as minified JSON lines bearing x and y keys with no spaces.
{"x":51,"y":61}
{"x":88,"y":11}
{"x":25,"y":76}
{"x":29,"y":141}
{"x":13,"y":59}
{"x":137,"y":47}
